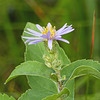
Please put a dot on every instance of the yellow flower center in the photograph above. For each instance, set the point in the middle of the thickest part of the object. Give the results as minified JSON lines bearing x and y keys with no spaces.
{"x":52,"y":30}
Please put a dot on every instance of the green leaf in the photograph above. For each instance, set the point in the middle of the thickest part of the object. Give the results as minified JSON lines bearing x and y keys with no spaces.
{"x":5,"y":97}
{"x":41,"y":87}
{"x":36,"y":51}
{"x":39,"y":83}
{"x":81,"y":67}
{"x":62,"y":56}
{"x":85,"y":70}
{"x":34,"y":95}
{"x":70,"y":86}
{"x":64,"y":93}
{"x":30,"y":68}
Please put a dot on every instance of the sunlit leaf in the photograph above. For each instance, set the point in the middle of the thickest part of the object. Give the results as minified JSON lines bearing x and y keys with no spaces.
{"x":30,"y":68}
{"x":40,"y":88}
{"x":80,"y":68}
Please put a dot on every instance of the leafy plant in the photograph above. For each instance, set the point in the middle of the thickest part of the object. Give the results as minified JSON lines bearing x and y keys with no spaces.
{"x":50,"y":73}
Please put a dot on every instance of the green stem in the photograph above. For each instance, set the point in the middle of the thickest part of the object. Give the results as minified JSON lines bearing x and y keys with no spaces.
{"x":55,"y":65}
{"x":60,"y":86}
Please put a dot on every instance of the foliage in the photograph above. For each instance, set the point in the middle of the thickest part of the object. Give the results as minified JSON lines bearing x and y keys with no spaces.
{"x":39,"y":75}
{"x":16,"y":13}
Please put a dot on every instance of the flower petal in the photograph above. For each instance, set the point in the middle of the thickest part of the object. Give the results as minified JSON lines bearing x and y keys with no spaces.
{"x":44,"y":36}
{"x":68,"y":31}
{"x":27,"y":40}
{"x":61,"y":29}
{"x":34,"y":32}
{"x":50,"y":44}
{"x":34,"y":42}
{"x":31,"y":37}
{"x":48,"y":34}
{"x":63,"y":40}
{"x":39,"y":27}
{"x":68,"y":28}
{"x":49,"y":25}
{"x":57,"y":37}
{"x":29,"y":33}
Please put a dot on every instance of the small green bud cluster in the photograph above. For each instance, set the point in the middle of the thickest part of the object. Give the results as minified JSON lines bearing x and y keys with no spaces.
{"x":52,"y":61}
{"x":47,"y":61}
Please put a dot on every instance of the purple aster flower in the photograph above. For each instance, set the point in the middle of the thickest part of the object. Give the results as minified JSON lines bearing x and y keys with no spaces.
{"x":47,"y":34}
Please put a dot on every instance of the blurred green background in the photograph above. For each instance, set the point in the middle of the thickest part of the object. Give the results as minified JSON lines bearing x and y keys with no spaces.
{"x":14,"y":14}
